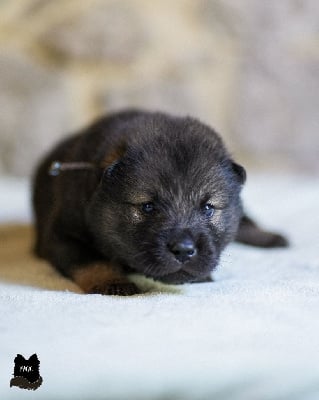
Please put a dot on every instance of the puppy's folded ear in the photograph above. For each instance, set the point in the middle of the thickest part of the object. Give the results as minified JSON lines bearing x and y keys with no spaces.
{"x":113,"y":158}
{"x":240,"y":172}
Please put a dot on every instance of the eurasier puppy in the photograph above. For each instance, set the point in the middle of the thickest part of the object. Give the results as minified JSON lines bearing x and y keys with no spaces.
{"x":143,"y":192}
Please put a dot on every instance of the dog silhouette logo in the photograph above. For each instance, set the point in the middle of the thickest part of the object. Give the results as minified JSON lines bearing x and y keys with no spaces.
{"x":26,"y":374}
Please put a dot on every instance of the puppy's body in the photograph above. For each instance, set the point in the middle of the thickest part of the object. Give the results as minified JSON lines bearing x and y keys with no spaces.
{"x":163,"y":199}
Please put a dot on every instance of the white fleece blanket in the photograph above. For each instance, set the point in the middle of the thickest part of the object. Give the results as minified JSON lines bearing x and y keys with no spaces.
{"x":251,"y":334}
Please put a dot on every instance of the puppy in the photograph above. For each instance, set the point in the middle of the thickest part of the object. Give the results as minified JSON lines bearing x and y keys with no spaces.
{"x":143,"y":192}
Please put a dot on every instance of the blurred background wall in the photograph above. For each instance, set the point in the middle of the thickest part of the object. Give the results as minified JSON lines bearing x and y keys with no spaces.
{"x":250,"y":68}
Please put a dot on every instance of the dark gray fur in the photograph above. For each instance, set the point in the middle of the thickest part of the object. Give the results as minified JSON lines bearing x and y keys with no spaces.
{"x":178,"y":164}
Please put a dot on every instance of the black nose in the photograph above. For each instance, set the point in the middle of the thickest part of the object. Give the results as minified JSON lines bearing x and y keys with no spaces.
{"x":183,"y":249}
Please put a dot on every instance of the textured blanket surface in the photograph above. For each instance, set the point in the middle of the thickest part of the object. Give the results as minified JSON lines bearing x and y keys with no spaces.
{"x":251,"y":334}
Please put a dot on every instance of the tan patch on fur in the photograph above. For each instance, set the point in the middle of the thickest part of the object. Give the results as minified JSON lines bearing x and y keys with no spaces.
{"x":94,"y":275}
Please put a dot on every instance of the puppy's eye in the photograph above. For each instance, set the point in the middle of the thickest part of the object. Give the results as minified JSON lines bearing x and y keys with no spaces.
{"x":148,"y":208}
{"x":208,"y":210}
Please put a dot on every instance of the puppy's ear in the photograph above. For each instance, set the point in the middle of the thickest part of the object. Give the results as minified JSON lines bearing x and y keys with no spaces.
{"x":112,"y":158}
{"x":240,"y":172}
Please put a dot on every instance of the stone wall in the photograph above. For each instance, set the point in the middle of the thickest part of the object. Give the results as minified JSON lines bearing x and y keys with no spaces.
{"x":250,"y":68}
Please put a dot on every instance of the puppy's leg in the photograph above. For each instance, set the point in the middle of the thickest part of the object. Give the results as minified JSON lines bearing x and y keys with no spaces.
{"x":205,"y":279}
{"x":102,"y":278}
{"x":78,"y":262}
{"x":250,"y":233}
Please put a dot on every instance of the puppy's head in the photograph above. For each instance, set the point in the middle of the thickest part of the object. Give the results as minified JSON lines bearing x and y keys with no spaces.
{"x":169,"y":202}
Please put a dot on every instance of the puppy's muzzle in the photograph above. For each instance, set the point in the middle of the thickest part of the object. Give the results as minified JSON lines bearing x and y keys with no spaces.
{"x":183,"y":248}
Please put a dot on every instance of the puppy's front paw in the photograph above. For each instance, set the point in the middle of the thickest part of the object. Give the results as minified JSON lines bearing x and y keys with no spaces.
{"x":104,"y":279}
{"x":115,"y":289}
